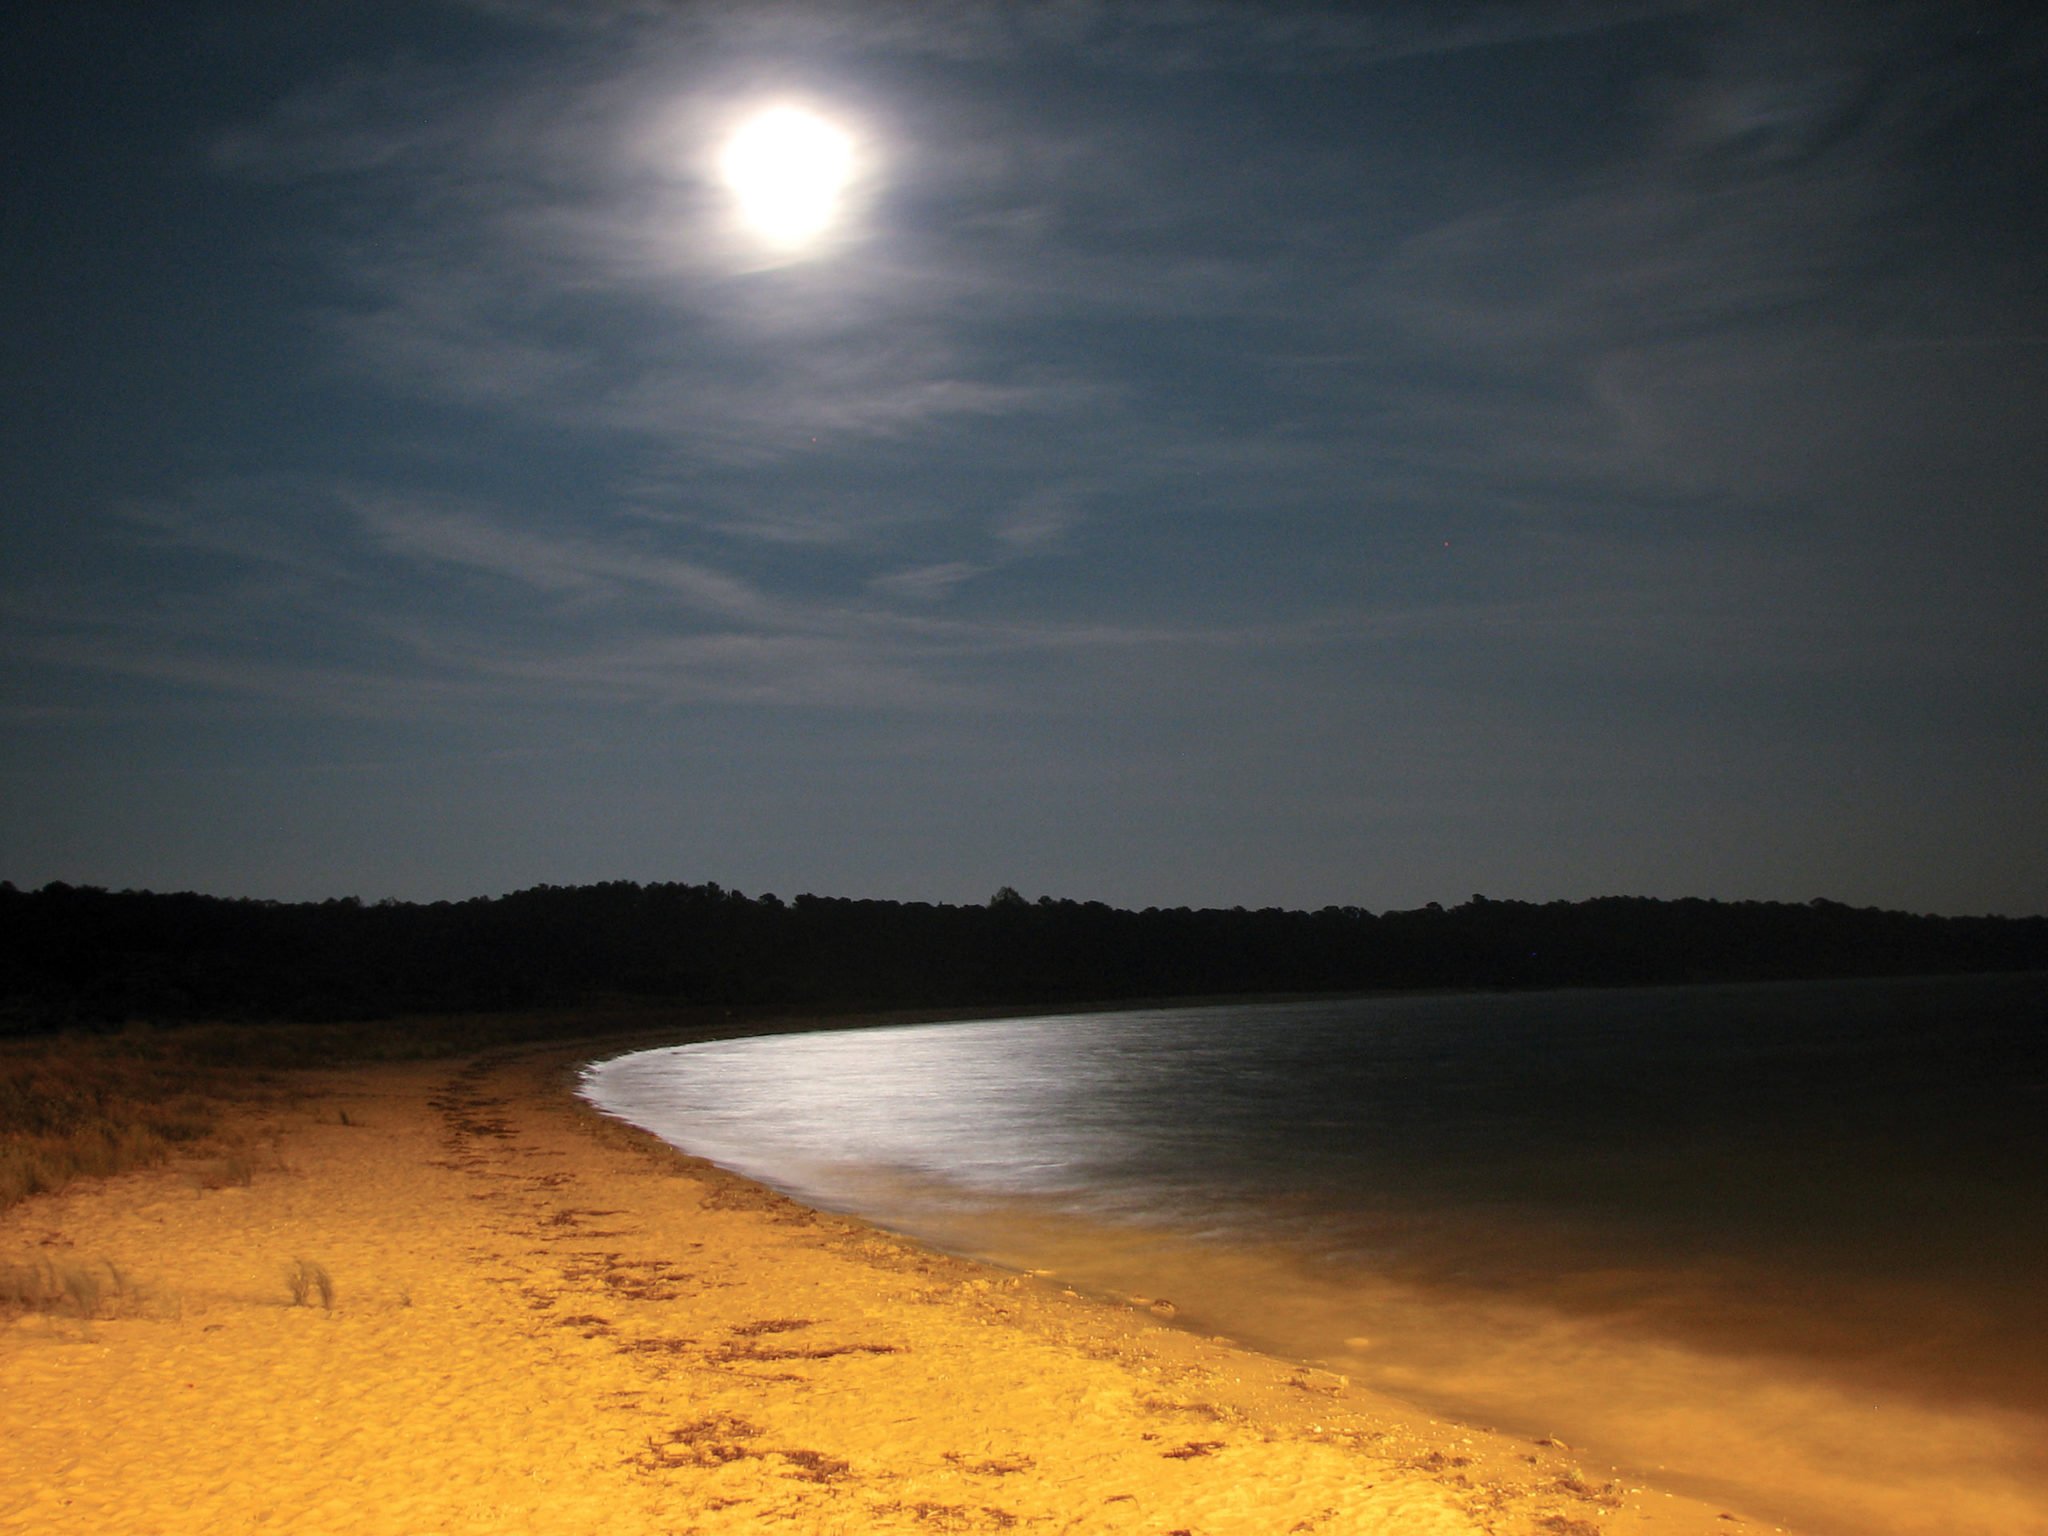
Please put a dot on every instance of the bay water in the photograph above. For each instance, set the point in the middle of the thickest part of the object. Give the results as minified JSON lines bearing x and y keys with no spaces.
{"x":1781,"y":1244}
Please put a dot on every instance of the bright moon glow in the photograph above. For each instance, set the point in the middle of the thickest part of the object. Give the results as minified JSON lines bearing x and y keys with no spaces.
{"x":787,"y":167}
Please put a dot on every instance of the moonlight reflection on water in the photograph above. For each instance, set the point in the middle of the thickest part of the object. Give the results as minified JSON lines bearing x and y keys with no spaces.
{"x":1653,"y":1221}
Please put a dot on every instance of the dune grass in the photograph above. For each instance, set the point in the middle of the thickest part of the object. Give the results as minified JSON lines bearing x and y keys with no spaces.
{"x":308,"y":1279}
{"x":81,"y":1290}
{"x":84,"y":1108}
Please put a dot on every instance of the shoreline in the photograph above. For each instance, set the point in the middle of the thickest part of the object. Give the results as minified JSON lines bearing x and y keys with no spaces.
{"x":543,"y":1319}
{"x":1769,"y":1432}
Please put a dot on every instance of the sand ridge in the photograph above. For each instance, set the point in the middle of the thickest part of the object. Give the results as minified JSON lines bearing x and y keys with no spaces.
{"x":544,"y":1321}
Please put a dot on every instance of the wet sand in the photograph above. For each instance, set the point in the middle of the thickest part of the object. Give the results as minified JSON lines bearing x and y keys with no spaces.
{"x":1795,"y":1438}
{"x":543,"y":1321}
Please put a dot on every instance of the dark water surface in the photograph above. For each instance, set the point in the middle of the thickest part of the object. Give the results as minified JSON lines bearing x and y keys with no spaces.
{"x":1784,"y":1243}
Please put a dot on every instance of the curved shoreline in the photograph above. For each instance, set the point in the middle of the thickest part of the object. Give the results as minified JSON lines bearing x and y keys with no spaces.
{"x":542,"y":1319}
{"x":1765,"y":1432}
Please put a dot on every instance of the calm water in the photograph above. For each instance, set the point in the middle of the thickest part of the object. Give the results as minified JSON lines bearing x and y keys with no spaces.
{"x":1787,"y":1244}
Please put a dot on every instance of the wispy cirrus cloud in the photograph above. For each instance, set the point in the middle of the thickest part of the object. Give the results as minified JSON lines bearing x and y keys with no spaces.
{"x":1697,"y":322}
{"x":435,"y":338}
{"x":1143,"y":35}
{"x":926,"y":583}
{"x":1041,"y":518}
{"x":363,"y":603}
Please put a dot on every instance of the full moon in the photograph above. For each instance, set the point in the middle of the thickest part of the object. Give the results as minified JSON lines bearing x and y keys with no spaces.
{"x":787,"y":168}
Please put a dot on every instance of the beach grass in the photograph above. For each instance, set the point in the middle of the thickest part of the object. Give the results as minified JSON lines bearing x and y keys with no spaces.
{"x":79,"y":1289}
{"x":308,"y":1279}
{"x":74,"y":1108}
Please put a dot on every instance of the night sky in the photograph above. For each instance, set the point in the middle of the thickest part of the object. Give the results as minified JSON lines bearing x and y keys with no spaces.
{"x":1215,"y":454}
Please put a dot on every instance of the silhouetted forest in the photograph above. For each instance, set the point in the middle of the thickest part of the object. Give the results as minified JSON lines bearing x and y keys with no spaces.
{"x":74,"y":955}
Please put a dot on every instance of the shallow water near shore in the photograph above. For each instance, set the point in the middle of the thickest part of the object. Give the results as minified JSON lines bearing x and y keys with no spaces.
{"x":1779,"y":1243}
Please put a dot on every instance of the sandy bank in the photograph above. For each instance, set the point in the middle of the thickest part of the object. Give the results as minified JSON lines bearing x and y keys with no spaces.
{"x":541,"y":1321}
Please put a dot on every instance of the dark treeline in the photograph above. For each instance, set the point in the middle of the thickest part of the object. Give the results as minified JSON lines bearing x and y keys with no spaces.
{"x":84,"y":956}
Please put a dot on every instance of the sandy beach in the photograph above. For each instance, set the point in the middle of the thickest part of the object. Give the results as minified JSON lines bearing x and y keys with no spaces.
{"x":451,"y":1298}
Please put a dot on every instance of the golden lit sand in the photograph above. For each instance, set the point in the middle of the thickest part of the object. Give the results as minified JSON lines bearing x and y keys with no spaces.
{"x":542,"y":1321}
